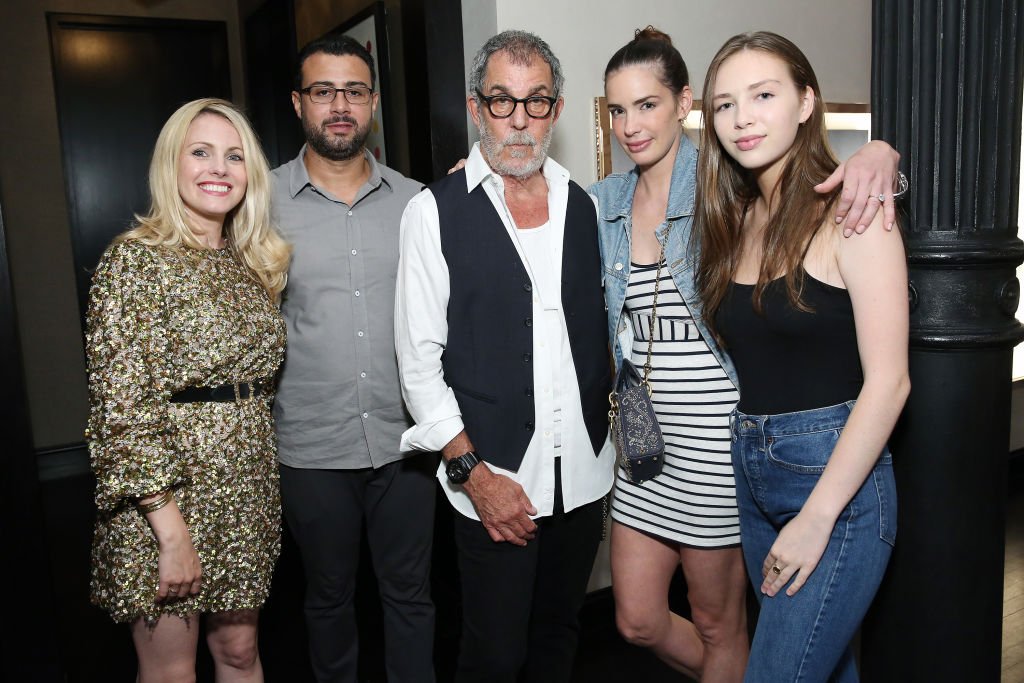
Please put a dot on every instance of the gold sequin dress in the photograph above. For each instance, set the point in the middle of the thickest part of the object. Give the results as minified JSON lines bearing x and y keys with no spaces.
{"x":161,"y":320}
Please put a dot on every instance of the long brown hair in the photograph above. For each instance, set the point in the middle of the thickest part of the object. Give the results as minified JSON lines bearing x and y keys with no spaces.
{"x":725,"y":190}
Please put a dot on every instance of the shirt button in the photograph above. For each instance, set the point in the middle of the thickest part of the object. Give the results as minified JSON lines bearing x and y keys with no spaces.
{"x":360,"y":333}
{"x":354,"y":252}
{"x":547,"y":434}
{"x":357,"y":292}
{"x":349,"y":213}
{"x":618,"y":266}
{"x":366,"y":415}
{"x":363,"y":375}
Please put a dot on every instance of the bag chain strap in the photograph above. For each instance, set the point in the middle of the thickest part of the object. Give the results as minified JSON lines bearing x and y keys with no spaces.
{"x":654,"y":310}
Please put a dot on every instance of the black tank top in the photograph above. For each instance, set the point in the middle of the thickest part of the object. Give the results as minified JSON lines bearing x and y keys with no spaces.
{"x":787,"y":359}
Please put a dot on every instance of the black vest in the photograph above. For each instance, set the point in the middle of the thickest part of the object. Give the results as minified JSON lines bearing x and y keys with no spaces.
{"x":488,"y":357}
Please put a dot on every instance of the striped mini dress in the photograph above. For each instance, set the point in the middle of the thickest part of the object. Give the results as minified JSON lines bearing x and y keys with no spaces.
{"x":693,"y":501}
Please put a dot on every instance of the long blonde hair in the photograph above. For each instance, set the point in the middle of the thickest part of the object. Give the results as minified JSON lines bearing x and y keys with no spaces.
{"x":247,"y":227}
{"x":726,"y":190}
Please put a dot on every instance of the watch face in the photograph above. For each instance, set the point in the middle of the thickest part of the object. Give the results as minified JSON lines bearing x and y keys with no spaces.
{"x":456,"y":471}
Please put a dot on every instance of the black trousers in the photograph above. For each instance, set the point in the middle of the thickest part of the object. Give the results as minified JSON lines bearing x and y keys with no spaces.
{"x":325,"y":511}
{"x":520,"y":614}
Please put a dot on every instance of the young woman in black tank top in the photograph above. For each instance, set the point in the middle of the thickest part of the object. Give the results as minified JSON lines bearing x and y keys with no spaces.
{"x":817,"y":326}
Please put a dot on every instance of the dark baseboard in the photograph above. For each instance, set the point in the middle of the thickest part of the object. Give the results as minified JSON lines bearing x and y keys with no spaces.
{"x":60,"y":462}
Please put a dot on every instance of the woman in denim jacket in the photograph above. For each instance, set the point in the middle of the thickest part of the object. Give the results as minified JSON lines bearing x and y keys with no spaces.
{"x":686,"y":515}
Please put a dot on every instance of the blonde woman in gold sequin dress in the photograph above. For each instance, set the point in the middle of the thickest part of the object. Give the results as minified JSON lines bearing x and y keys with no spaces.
{"x":184,"y":339}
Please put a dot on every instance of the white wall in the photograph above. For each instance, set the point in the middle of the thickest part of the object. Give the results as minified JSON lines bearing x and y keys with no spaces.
{"x":835,"y":35}
{"x":479,"y":22}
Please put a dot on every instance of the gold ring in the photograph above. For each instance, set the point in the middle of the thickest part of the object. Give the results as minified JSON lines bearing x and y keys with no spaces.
{"x":776,"y":569}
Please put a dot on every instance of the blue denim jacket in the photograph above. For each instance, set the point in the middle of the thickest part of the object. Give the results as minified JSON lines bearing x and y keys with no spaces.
{"x":615,"y":222}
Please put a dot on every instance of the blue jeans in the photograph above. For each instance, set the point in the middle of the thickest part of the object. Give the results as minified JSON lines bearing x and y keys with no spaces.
{"x":778,"y":460}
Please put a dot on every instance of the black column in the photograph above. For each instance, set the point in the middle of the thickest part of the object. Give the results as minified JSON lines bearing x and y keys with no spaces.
{"x":447,"y":84}
{"x":946,"y":92}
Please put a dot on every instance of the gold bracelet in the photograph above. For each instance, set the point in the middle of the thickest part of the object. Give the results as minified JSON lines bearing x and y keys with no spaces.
{"x":160,"y":501}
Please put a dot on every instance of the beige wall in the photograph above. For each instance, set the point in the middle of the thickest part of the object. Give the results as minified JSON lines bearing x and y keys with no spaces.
{"x":34,"y":203}
{"x":835,"y":35}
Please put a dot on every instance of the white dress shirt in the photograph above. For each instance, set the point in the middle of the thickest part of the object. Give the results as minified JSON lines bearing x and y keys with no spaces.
{"x":421,"y":333}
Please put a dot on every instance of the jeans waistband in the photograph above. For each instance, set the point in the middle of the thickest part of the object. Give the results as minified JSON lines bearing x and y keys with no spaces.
{"x":799,"y":422}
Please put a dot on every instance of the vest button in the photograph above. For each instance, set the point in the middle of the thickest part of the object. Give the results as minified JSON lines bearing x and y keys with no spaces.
{"x":529,"y":426}
{"x":527,"y":287}
{"x":528,"y":322}
{"x":529,"y":392}
{"x":526,"y":357}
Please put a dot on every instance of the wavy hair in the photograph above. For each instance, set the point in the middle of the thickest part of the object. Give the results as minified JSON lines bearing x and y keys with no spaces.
{"x":521,"y":47}
{"x":248,"y":227}
{"x":726,"y":189}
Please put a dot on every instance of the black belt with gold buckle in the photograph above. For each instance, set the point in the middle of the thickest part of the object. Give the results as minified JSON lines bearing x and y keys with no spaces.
{"x":225,"y":393}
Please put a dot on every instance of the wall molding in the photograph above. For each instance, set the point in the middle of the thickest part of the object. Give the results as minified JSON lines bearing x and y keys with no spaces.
{"x":62,"y":462}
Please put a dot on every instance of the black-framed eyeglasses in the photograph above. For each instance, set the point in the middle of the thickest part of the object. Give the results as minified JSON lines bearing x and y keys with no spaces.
{"x":325,"y":94}
{"x":502,"y":106}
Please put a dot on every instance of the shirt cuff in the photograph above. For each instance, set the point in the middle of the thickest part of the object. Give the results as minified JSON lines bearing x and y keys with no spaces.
{"x":432,"y":436}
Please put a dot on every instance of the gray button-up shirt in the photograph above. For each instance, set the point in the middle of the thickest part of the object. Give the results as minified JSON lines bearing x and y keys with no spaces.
{"x":339,"y":404}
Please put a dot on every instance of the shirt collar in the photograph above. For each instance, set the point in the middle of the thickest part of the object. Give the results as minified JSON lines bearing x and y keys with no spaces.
{"x":682,"y":188}
{"x":477,"y":170}
{"x":298,"y":177}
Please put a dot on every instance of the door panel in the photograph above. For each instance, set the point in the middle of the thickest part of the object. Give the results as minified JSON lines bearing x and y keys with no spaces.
{"x":117,"y":79}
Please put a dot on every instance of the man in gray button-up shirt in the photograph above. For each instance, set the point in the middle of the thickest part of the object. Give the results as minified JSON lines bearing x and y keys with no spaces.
{"x":339,"y":409}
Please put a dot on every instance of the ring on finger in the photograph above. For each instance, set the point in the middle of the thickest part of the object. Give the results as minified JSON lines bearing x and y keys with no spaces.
{"x":776,"y":569}
{"x":881,"y":198}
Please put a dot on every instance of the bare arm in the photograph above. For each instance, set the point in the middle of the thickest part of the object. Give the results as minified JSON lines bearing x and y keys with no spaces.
{"x":178,"y":563}
{"x":873,"y":268}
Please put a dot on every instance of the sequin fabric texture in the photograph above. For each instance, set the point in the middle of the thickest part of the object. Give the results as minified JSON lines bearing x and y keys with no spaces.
{"x":161,"y":320}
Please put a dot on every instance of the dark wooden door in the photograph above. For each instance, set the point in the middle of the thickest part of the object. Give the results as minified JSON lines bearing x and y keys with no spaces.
{"x":270,"y":56}
{"x":117,"y":79}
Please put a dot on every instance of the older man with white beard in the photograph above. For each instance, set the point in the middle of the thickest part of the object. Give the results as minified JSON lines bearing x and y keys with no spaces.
{"x":503,"y":353}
